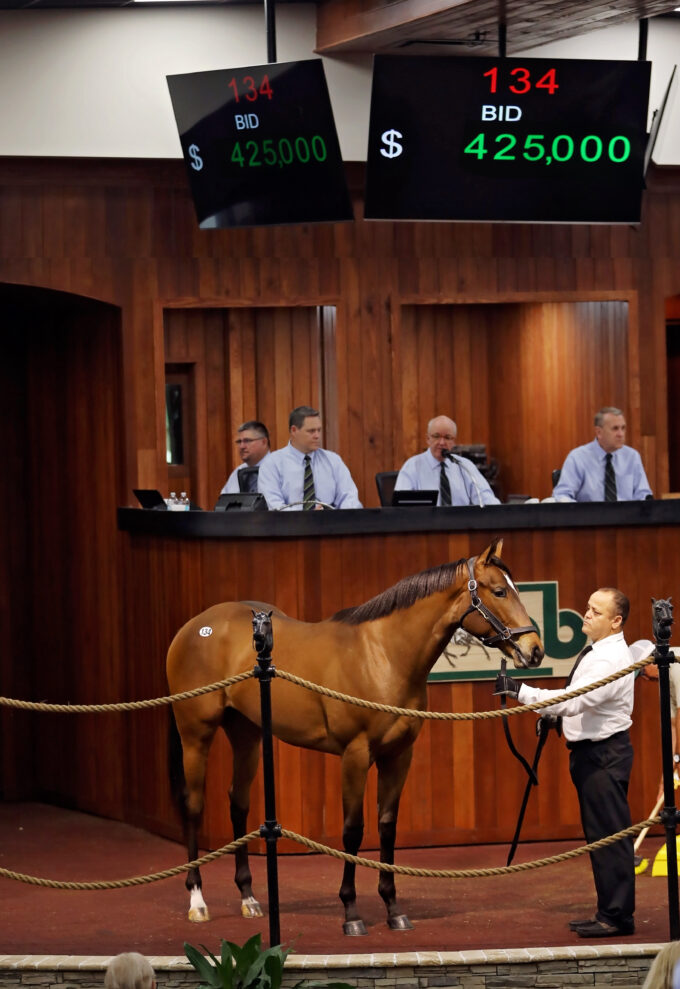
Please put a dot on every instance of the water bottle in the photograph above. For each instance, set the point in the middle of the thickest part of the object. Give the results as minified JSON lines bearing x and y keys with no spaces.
{"x":173,"y":502}
{"x":184,"y":502}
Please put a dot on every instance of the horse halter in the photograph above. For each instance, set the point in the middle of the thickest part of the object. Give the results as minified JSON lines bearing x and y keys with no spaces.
{"x":503,"y":633}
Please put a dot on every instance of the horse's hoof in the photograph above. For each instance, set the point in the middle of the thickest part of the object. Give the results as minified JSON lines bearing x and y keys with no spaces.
{"x":354,"y":928}
{"x":199,"y":915}
{"x":250,"y":908}
{"x":399,"y":923}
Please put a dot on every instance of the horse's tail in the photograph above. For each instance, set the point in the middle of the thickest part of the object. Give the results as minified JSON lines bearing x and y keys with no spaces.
{"x":176,"y":766}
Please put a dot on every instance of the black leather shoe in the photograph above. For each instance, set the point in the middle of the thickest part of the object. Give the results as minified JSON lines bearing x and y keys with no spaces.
{"x":575,"y":924}
{"x":598,"y":928}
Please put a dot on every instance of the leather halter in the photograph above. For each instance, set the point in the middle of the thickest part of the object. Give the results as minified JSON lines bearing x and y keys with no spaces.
{"x":503,"y":633}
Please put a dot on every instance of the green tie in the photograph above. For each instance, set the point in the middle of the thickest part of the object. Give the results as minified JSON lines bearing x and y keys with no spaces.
{"x":308,"y":493}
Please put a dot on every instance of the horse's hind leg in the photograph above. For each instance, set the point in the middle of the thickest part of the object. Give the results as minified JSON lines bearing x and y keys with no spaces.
{"x":392,"y":772}
{"x":355,"y":764}
{"x":195,"y":748}
{"x":245,"y":743}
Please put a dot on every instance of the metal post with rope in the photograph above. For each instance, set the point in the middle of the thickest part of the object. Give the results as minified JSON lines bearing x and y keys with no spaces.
{"x":662,"y":623}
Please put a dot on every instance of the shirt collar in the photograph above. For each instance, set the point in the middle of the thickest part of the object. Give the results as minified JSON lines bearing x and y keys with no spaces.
{"x":432,"y":462}
{"x":601,"y":453}
{"x":298,"y":455}
{"x":617,"y":637}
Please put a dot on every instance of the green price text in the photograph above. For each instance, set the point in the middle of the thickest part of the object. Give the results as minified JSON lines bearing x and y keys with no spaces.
{"x":284,"y":151}
{"x":591,"y":148}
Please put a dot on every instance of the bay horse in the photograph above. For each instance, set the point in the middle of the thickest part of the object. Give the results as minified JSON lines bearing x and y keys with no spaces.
{"x":382,"y":650}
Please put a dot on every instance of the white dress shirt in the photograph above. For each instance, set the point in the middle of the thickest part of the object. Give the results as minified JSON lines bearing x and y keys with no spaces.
{"x":468,"y":486}
{"x":282,"y":473}
{"x":599,"y":713}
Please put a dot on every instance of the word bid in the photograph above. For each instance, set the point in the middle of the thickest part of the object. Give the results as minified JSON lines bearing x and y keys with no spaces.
{"x":508,"y":113}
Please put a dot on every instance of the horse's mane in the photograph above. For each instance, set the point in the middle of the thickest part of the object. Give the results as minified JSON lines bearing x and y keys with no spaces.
{"x":402,"y":595}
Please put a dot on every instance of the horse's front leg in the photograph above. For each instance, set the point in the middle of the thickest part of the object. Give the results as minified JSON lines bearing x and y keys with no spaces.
{"x":244,"y":737}
{"x":355,"y":764}
{"x":392,"y":772}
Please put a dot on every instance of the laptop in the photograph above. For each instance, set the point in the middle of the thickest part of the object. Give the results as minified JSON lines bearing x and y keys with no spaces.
{"x":243,"y":502}
{"x":150,"y":498}
{"x":400,"y":498}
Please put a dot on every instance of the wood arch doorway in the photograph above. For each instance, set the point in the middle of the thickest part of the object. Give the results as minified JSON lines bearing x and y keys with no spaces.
{"x":62,"y":453}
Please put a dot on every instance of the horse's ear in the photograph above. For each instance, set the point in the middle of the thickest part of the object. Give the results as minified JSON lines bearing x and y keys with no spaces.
{"x":270,"y":614}
{"x":495,"y":549}
{"x":253,"y":612}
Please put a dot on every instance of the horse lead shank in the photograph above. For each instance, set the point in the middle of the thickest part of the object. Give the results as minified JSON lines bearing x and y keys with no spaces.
{"x":393,"y":641}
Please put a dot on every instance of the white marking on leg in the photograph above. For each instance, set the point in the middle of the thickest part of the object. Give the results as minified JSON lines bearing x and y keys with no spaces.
{"x":198,"y":911}
{"x":250,"y":907}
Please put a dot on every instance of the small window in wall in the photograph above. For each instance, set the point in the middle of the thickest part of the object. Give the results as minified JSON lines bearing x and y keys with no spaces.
{"x":180,"y":438}
{"x":174,"y":433}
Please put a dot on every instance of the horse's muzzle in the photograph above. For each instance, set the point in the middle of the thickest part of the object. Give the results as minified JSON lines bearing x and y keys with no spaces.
{"x":524,"y":659}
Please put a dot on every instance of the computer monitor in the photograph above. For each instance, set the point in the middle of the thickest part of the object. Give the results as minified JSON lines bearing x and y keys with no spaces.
{"x":401,"y":498}
{"x":242,"y":502}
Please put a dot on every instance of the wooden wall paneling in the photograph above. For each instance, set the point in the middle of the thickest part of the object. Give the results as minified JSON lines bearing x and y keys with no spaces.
{"x":364,"y":445}
{"x":218,"y":444}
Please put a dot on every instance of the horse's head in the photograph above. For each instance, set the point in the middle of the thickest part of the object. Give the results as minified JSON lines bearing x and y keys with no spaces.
{"x":263,"y":638}
{"x":496,"y":614}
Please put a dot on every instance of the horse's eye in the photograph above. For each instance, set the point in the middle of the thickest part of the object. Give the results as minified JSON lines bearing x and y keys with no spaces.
{"x":500,"y":592}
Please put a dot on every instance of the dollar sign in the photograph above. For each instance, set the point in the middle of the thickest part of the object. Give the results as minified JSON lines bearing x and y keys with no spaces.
{"x":196,"y":160}
{"x":394,"y":148}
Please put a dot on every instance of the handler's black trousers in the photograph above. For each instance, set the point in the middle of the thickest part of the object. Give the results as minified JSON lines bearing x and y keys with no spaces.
{"x":600,"y":772}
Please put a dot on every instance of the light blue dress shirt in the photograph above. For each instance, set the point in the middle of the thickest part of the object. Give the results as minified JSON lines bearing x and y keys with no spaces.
{"x":582,"y":477}
{"x":468,"y":486}
{"x":231,"y":487}
{"x":282,"y":473}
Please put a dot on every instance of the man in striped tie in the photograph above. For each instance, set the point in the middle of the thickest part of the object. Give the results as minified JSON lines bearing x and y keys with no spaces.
{"x":604,"y":469}
{"x":302,"y":474}
{"x":456,"y":478}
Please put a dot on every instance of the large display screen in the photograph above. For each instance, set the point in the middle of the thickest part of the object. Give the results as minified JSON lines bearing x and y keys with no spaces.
{"x":535,"y":140}
{"x":260,"y":145}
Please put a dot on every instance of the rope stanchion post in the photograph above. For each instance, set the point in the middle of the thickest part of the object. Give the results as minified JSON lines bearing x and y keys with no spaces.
{"x":271,"y":830}
{"x":662,"y":622}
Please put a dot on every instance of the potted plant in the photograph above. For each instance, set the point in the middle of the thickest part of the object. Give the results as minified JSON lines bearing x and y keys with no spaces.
{"x":247,"y":967}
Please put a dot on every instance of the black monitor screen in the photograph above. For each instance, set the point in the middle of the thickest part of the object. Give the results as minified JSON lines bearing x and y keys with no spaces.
{"x":514,"y":139}
{"x":260,"y":145}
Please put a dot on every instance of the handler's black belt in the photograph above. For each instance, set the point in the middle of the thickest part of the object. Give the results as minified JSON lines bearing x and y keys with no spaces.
{"x":596,"y":741}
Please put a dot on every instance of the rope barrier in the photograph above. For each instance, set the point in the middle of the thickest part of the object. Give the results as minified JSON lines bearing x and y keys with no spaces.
{"x":327,"y":692}
{"x":401,"y":870}
{"x":123,"y":705}
{"x":460,"y":715}
{"x":134,"y":880}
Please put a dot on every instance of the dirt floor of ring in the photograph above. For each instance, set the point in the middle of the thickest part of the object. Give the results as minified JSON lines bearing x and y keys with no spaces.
{"x":528,"y":909}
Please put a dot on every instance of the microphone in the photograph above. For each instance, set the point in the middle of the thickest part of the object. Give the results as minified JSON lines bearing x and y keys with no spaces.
{"x":464,"y":469}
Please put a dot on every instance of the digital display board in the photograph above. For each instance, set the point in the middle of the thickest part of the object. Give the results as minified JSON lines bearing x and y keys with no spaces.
{"x":260,"y":145}
{"x":523,"y":140}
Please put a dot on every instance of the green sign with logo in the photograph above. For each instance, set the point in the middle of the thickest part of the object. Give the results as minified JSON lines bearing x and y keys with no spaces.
{"x":465,"y":658}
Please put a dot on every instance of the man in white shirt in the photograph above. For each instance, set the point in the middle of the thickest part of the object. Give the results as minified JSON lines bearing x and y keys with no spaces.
{"x":252,"y":441}
{"x":456,"y":479}
{"x":302,"y":474}
{"x":601,"y":757}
